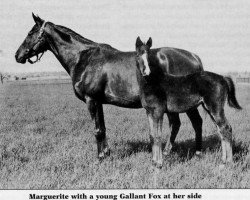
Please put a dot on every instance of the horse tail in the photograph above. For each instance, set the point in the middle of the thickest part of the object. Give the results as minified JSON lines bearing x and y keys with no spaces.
{"x":231,"y":98}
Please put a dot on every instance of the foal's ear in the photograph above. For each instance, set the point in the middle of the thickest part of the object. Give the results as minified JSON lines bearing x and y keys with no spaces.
{"x":138,"y":43}
{"x":37,"y":19}
{"x":149,"y":42}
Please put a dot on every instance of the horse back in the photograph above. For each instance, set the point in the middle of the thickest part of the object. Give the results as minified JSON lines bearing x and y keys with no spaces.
{"x":176,"y":61}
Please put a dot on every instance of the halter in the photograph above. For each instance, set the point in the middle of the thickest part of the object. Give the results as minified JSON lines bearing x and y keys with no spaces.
{"x":39,"y":38}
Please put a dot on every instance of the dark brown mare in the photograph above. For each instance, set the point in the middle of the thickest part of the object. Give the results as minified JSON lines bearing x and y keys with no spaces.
{"x":104,"y":75}
{"x":163,"y":93}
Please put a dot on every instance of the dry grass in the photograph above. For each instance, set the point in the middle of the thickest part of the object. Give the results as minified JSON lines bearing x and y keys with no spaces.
{"x":47,"y":142}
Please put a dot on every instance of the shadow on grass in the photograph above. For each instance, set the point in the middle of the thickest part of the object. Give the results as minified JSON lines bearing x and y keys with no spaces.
{"x":129,"y":148}
{"x":185,"y":150}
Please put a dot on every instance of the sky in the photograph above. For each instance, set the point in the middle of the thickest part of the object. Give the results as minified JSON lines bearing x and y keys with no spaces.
{"x":218,"y":31}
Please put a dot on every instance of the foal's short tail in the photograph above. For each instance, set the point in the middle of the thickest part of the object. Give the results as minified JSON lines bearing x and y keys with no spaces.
{"x":232,"y":101}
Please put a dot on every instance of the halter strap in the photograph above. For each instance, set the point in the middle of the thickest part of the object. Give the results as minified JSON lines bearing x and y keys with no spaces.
{"x":42,"y":29}
{"x":35,"y":45}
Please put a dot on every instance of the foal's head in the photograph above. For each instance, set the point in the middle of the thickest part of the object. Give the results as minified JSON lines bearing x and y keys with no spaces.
{"x":34,"y":43}
{"x":142,"y":50}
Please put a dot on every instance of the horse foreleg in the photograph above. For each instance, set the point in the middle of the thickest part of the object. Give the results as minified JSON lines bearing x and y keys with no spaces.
{"x":174,"y":125}
{"x":156,"y":135}
{"x":102,"y":144}
{"x":96,"y":112}
{"x":151,"y":137}
{"x":196,"y":121}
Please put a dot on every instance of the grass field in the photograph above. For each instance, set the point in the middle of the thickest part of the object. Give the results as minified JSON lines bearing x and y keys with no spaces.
{"x":47,"y":142}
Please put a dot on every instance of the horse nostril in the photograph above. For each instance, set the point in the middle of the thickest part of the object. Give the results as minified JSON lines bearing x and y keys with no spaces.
{"x":16,"y":55}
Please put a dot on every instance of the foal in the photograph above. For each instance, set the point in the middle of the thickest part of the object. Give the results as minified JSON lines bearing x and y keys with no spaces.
{"x":162,"y":93}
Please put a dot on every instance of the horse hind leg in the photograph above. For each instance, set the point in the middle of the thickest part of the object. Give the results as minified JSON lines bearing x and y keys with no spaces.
{"x":196,"y":121}
{"x":174,"y":124}
{"x":96,"y":112}
{"x":225,"y":133}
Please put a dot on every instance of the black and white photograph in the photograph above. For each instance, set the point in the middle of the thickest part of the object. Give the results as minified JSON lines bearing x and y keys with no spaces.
{"x":124,"y":99}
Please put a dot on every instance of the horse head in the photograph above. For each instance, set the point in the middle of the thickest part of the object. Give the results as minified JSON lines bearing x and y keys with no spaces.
{"x":34,"y":43}
{"x":142,"y":51}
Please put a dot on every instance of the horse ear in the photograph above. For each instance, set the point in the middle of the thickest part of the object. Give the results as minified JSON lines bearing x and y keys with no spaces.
{"x":149,"y":42}
{"x":37,"y":19}
{"x":138,"y":43}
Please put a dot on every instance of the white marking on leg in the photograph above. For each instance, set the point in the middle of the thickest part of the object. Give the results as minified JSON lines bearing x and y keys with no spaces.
{"x":224,"y":153}
{"x":157,"y":142}
{"x":223,"y":145}
{"x":151,"y":128}
{"x":229,"y":152}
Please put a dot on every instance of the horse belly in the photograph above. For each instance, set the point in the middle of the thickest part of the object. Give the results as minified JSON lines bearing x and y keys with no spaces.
{"x":122,"y":88}
{"x":183,"y":103}
{"x":122,"y":101}
{"x":122,"y":93}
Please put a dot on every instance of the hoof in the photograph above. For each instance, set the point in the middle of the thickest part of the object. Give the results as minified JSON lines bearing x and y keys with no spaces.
{"x":226,"y":164}
{"x":105,"y":153}
{"x":168,"y":149}
{"x":222,"y":167}
{"x":157,"y":164}
{"x":97,"y":162}
{"x":101,"y":157}
{"x":166,"y":152}
{"x":198,"y":154}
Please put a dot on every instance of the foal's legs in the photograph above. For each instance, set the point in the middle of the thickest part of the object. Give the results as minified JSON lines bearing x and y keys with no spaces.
{"x":174,"y":124}
{"x":155,"y":121}
{"x":225,"y":132}
{"x":196,"y":121}
{"x":96,"y":112}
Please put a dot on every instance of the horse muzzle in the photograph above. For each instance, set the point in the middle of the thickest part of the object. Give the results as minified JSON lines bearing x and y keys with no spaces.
{"x":20,"y":59}
{"x":22,"y":56}
{"x":27,"y":55}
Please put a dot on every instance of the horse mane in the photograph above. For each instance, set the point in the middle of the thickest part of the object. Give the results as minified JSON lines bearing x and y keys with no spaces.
{"x":107,"y":47}
{"x":75,"y":35}
{"x":80,"y":38}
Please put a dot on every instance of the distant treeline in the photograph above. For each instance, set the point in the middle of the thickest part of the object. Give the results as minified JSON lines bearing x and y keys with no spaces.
{"x":23,"y":76}
{"x":239,"y":74}
{"x":41,"y":74}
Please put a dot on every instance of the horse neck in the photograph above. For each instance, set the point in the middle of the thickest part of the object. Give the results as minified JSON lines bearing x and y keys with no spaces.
{"x":155,"y":78}
{"x":67,"y":52}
